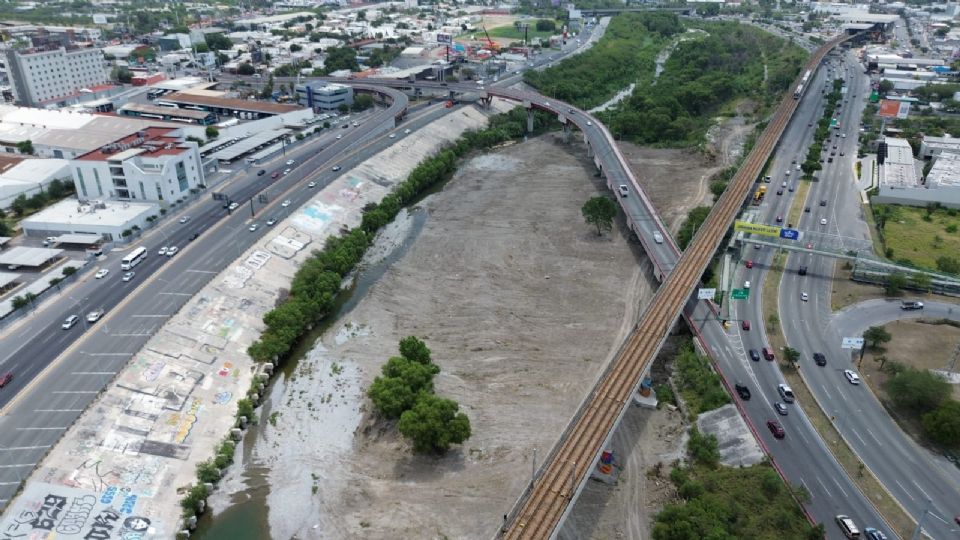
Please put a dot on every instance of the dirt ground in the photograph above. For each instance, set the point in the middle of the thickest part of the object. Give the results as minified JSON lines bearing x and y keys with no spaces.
{"x":917,"y":344}
{"x":522,"y":305}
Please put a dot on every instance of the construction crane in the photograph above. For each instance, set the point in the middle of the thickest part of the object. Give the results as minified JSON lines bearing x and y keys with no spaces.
{"x":491,"y":44}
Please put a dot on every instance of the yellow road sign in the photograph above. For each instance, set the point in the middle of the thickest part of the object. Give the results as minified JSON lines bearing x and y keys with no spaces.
{"x":756,"y":228}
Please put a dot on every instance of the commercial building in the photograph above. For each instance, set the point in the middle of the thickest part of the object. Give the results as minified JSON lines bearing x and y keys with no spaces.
{"x":54,"y":77}
{"x":900,"y":181}
{"x":20,"y":176}
{"x":155,"y":164}
{"x":931,"y":147}
{"x":321,"y":96}
{"x":187,"y":116}
{"x":105,"y":219}
{"x":240,"y":108}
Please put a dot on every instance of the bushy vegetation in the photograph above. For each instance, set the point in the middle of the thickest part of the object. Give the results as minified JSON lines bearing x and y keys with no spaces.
{"x":405,"y":391}
{"x":691,"y":225}
{"x":56,"y":190}
{"x":698,"y":384}
{"x":924,"y":396}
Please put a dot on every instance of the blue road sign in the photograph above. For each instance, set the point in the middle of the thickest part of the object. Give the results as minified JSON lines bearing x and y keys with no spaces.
{"x":790,"y":234}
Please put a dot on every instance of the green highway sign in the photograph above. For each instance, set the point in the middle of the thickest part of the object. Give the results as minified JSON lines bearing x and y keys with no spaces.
{"x":740,"y":294}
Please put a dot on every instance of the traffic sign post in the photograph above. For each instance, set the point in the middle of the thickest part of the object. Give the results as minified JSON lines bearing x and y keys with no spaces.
{"x":706,"y":294}
{"x":740,"y":294}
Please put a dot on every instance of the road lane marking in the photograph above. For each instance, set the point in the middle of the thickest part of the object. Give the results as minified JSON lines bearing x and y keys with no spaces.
{"x":857,"y":435}
{"x":110,"y":354}
{"x":202,"y":271}
{"x":16,"y":465}
{"x":837,"y":482}
{"x":869,"y":432}
{"x":27,"y":447}
{"x":150,"y":316}
{"x":175,"y":294}
{"x":904,"y":489}
{"x":824,"y":487}
{"x":925,"y":494}
{"x":135,"y":334}
{"x":824,"y":388}
{"x":10,"y":483}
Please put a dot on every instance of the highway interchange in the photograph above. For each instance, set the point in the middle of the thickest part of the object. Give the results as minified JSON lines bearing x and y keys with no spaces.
{"x":39,"y":415}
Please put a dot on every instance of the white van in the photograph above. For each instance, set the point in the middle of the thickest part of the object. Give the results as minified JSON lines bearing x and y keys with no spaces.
{"x":847,"y":526}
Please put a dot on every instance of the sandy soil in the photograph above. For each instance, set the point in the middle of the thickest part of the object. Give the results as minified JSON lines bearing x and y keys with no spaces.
{"x":521,"y":303}
{"x":923,"y":346}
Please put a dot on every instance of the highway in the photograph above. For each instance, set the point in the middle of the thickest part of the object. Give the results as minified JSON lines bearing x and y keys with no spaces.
{"x":911,"y":473}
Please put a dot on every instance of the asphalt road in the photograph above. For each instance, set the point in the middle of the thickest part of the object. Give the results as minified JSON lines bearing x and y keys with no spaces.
{"x":911,"y":473}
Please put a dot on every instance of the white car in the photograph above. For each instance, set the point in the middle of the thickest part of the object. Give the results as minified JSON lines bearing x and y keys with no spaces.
{"x":271,"y":222}
{"x":312,"y":185}
{"x":339,"y":136}
{"x":624,"y":191}
{"x":804,"y":297}
{"x":851,"y":376}
{"x":393,"y":135}
{"x":589,"y":123}
{"x":184,"y":219}
{"x":172,"y":250}
{"x":336,"y":168}
{"x":746,"y":284}
{"x":291,"y":161}
{"x":286,"y":171}
{"x":94,"y":315}
{"x":252,"y":227}
{"x":234,"y":206}
{"x":285,"y":203}
{"x":162,"y":251}
{"x":657,"y":237}
{"x":823,"y":221}
{"x":128,"y":276}
{"x":406,"y":132}
{"x":70,"y":322}
{"x":101,"y":273}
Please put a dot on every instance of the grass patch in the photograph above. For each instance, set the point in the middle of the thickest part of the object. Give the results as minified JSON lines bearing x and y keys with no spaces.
{"x":799,"y":201}
{"x":862,"y":477}
{"x":510,"y":32}
{"x":698,"y":384}
{"x":920,"y":236}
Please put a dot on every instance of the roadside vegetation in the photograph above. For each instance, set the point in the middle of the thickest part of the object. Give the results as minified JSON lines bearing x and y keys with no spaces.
{"x":920,"y":237}
{"x":698,"y":384}
{"x":404,"y":391}
{"x":23,"y":206}
{"x":726,"y":502}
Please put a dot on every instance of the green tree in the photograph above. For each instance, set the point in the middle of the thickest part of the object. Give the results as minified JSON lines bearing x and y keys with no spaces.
{"x":19,"y":205}
{"x":599,"y":211}
{"x":918,"y":391}
{"x":948,"y":264}
{"x":921,"y":281}
{"x":267,"y":91}
{"x":246,"y":68}
{"x":885,"y":87}
{"x":876,"y":336}
{"x":362,"y":102}
{"x":546,"y":25}
{"x":391,"y":396}
{"x":218,"y":42}
{"x":414,"y":349}
{"x":703,"y":448}
{"x":25,"y":147}
{"x":943,"y":424}
{"x":339,"y":58}
{"x":434,"y":424}
{"x":688,"y":230}
{"x":212,"y":132}
{"x":896,"y":282}
{"x":419,"y":377}
{"x":791,"y":355}
{"x":295,"y":47}
{"x":343,"y":108}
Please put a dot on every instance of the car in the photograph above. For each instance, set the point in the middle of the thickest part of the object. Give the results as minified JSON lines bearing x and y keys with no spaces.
{"x":128,"y":276}
{"x":780,"y":408}
{"x":833,"y":153}
{"x":589,"y":123}
{"x":69,"y":322}
{"x":786,"y":393}
{"x":94,"y":315}
{"x":779,"y":219}
{"x":909,"y":305}
{"x":406,"y":132}
{"x":851,"y":376}
{"x":779,"y":192}
{"x":340,"y":136}
{"x":804,"y":297}
{"x":275,"y":175}
{"x":844,"y":135}
{"x":745,"y":324}
{"x":829,"y":160}
{"x":184,"y":219}
{"x":823,"y":202}
{"x":784,"y":184}
{"x":312,"y":185}
{"x":5,"y":379}
{"x":742,"y":391}
{"x":767,"y":353}
{"x":233,"y":206}
{"x":819,"y":359}
{"x":823,"y":221}
{"x":624,"y":191}
{"x":754,"y":355}
{"x":162,"y":251}
{"x":792,"y":188}
{"x":102,"y":273}
{"x":874,"y":534}
{"x":285,"y":203}
{"x":252,"y":227}
{"x":748,"y":264}
{"x":194,"y":236}
{"x":788,"y":172}
{"x":336,"y":168}
{"x":392,"y":136}
{"x":847,"y":525}
{"x":172,"y":250}
{"x":286,"y":171}
{"x":806,"y":209}
{"x":261,"y":172}
{"x":657,"y":237}
{"x":776,"y":429}
{"x":271,"y":222}
{"x":291,"y":161}
{"x":746,"y":284}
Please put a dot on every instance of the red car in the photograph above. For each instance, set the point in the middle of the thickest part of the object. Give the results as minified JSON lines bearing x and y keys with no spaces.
{"x":776,"y":429}
{"x":275,"y":175}
{"x":749,"y":264}
{"x":5,"y":380}
{"x":745,"y":325}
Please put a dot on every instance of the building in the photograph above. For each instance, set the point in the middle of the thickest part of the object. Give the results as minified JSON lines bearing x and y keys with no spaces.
{"x":240,"y":108}
{"x":945,"y":173}
{"x":105,"y":219}
{"x":20,"y":176}
{"x":897,"y":169}
{"x":170,"y":114}
{"x":931,"y":147}
{"x":174,"y":42}
{"x":54,"y":77}
{"x":900,"y":182}
{"x":321,"y":96}
{"x":155,"y":164}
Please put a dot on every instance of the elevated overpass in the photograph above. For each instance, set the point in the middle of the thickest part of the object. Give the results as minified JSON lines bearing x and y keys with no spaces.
{"x":546,"y":502}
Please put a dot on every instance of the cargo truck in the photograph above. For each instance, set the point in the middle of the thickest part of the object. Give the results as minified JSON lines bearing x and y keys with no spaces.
{"x":758,"y":196}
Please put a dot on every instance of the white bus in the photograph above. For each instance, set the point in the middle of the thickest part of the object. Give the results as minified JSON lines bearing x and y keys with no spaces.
{"x":133,"y":258}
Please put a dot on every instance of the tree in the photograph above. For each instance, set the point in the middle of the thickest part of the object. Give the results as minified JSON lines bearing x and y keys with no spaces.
{"x":876,"y":336}
{"x":546,"y":25}
{"x":943,"y":424}
{"x":688,"y":230}
{"x":362,"y":102}
{"x":343,"y":108}
{"x":218,"y":42}
{"x":391,"y":396}
{"x":434,"y":424}
{"x":921,"y":281}
{"x":25,"y":147}
{"x":246,"y":68}
{"x":212,"y":132}
{"x":121,"y":75}
{"x":950,"y":265}
{"x":19,"y":205}
{"x":201,"y":48}
{"x":339,"y":58}
{"x":267,"y":91}
{"x":294,"y":47}
{"x":918,"y":391}
{"x":885,"y":87}
{"x":412,"y":348}
{"x":599,"y":211}
{"x":417,"y":376}
{"x":791,"y":355}
{"x":896,"y":281}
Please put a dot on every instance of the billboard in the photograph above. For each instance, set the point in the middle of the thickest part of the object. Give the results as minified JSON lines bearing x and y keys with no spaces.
{"x":852,"y":343}
{"x":756,"y":228}
{"x":99,"y":18}
{"x":444,"y":38}
{"x":894,"y":109}
{"x":706,"y":294}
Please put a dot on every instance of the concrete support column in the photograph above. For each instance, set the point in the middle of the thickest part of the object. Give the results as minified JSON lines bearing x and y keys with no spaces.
{"x":566,"y":133}
{"x":530,"y":120}
{"x":589,"y":149}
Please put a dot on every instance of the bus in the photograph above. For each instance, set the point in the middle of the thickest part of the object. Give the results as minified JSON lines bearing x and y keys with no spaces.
{"x":133,"y":258}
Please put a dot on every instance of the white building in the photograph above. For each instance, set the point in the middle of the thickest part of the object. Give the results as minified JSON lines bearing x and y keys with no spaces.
{"x":931,"y":147}
{"x":155,"y":164}
{"x":54,"y":77}
{"x":103,"y":218}
{"x":321,"y":96}
{"x":29,"y":177}
{"x":900,"y":181}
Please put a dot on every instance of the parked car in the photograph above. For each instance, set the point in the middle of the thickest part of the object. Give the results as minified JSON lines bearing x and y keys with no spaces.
{"x":776,"y":429}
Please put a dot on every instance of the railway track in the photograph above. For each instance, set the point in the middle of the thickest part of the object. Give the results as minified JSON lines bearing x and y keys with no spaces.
{"x":541,"y":508}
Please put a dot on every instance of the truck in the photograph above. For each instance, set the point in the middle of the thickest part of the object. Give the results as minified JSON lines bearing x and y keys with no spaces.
{"x":758,"y":196}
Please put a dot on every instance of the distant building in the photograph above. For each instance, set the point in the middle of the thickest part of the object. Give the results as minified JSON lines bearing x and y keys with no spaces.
{"x":901,"y":183}
{"x":105,"y":219}
{"x":26,"y":176}
{"x":55,"y":76}
{"x":931,"y":147}
{"x":155,"y":164}
{"x":174,"y":42}
{"x":321,"y":96}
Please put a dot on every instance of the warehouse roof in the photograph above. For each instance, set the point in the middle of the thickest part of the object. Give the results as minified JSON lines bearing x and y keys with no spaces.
{"x":28,"y":256}
{"x":227,"y":103}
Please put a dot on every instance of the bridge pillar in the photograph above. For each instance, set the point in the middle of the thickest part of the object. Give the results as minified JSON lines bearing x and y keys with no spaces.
{"x":530,"y":120}
{"x":589,"y":148}
{"x":566,"y":133}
